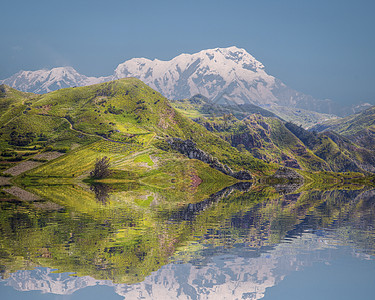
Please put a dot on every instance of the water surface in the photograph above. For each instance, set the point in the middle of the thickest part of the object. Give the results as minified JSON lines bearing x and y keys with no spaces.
{"x":133,"y":242}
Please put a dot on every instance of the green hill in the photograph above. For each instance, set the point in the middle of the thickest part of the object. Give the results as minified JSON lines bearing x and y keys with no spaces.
{"x":359,"y":128}
{"x":125,"y":120}
{"x":12,"y":102}
{"x":340,"y":153}
{"x":267,"y":139}
{"x":273,"y":140}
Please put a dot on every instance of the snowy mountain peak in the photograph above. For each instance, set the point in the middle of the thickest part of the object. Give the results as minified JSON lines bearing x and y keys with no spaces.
{"x":238,"y":55}
{"x":44,"y":81}
{"x":56,"y":73}
{"x":209,"y":72}
{"x":230,"y":71}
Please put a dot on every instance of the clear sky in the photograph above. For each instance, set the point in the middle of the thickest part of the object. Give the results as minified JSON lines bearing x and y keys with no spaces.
{"x":325,"y":48}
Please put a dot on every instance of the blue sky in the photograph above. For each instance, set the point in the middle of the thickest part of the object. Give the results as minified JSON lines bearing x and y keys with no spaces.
{"x":323,"y":48}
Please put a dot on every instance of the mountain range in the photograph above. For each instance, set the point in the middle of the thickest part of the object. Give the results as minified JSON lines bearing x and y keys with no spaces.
{"x":271,"y":139}
{"x":45,"y":81}
{"x":126,"y":116}
{"x":220,"y":74}
{"x":358,"y":128}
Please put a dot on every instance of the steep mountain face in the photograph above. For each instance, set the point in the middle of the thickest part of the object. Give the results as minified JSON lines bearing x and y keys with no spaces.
{"x":339,"y":152}
{"x":267,"y":139}
{"x":220,"y":74}
{"x":44,"y":81}
{"x":272,"y":140}
{"x":359,"y":128}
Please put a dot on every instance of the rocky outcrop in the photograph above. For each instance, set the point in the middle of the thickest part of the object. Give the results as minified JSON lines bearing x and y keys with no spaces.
{"x":189,"y":148}
{"x":290,"y":162}
{"x":248,"y":139}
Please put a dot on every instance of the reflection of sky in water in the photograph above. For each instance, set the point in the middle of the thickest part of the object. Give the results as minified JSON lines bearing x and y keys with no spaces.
{"x":309,"y":266}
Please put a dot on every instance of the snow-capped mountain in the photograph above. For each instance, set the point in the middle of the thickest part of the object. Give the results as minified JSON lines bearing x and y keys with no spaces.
{"x":44,"y":81}
{"x":220,"y":74}
{"x":211,"y":73}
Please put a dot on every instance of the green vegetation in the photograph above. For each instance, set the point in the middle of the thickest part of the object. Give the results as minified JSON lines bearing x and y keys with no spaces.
{"x":340,"y":153}
{"x":273,"y":140}
{"x":144,"y":158}
{"x":359,"y":128}
{"x":119,"y":119}
{"x":267,"y":139}
{"x":101,"y":168}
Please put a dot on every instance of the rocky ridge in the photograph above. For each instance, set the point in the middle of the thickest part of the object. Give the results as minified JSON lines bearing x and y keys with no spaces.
{"x":188,"y":148}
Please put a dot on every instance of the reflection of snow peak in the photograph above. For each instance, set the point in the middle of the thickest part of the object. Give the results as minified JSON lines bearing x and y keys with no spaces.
{"x":42,"y":279}
{"x":223,"y":277}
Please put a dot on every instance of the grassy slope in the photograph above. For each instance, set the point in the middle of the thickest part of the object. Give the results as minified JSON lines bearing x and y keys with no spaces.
{"x":266,"y":138}
{"x":273,"y":140}
{"x":12,"y":102}
{"x":359,"y":127}
{"x":339,"y":152}
{"x":351,"y":124}
{"x":291,"y":145}
{"x":276,"y":143}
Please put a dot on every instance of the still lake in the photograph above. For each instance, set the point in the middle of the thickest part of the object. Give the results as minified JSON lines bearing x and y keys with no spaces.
{"x":136,"y":242}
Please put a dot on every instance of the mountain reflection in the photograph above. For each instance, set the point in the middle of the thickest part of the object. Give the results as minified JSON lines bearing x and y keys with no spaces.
{"x":235,"y":243}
